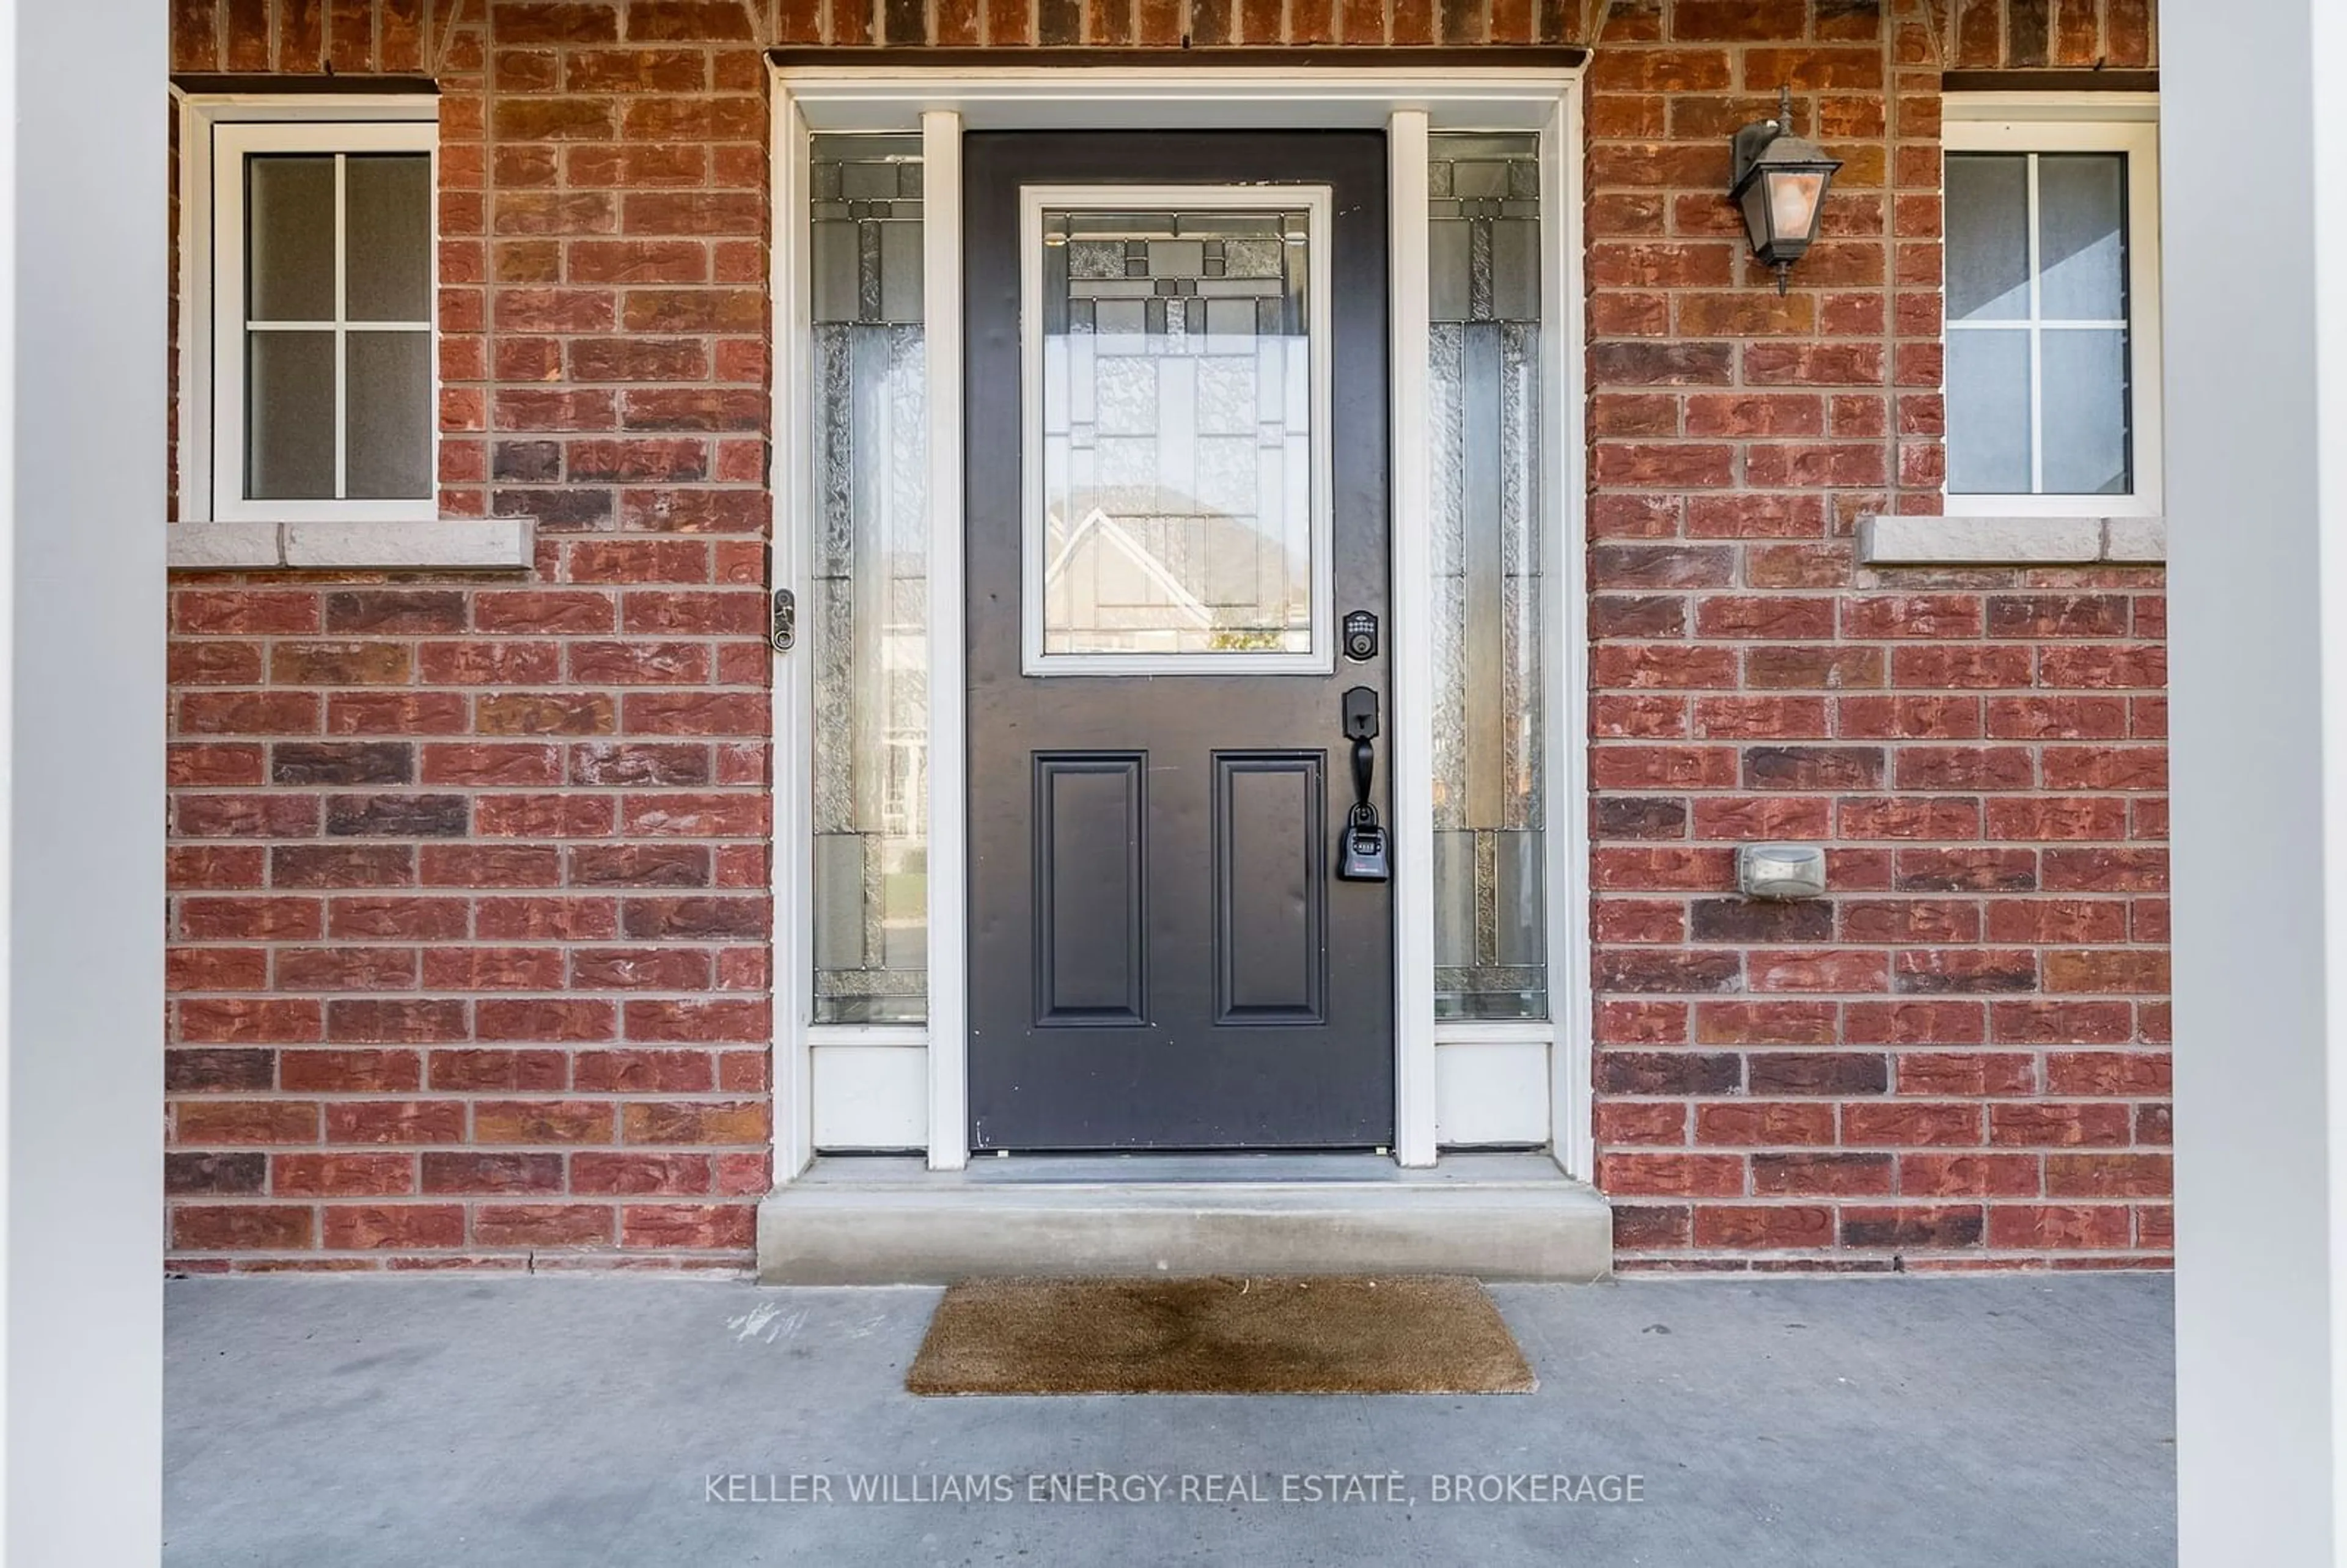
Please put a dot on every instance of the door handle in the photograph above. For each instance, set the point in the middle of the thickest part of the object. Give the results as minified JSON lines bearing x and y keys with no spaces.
{"x":1362,"y":853}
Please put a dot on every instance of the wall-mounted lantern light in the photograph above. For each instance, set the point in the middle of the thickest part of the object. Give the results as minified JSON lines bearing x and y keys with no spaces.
{"x":1781,"y":182}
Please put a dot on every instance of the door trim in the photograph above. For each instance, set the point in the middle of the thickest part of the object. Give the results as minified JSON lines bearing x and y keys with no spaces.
{"x":1511,"y":1061}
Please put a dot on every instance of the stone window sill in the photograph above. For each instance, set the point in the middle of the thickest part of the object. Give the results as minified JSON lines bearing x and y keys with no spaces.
{"x":2012,"y":541}
{"x":496,"y":544}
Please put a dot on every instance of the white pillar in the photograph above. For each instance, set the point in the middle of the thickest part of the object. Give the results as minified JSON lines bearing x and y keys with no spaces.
{"x":83,"y":155}
{"x":2254,"y":214}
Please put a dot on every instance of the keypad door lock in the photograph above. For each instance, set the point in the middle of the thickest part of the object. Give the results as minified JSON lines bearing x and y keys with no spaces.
{"x":1360,"y":636}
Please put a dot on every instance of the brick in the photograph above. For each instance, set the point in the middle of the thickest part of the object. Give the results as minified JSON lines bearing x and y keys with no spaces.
{"x":2059,"y":1226}
{"x":2107,"y":1072}
{"x":544,"y":1019}
{"x":213,"y":1123}
{"x":676,"y":1122}
{"x":1912,"y":1226}
{"x":544,"y":1225}
{"x":489,"y":766}
{"x":639,"y":1072}
{"x":1639,"y":1228}
{"x":1646,"y":970}
{"x":543,"y":1121}
{"x":1659,"y":70}
{"x":243,"y":1227}
{"x":1774,"y":1225}
{"x":228,"y":1020}
{"x":349,"y":1072}
{"x":403,"y":1020}
{"x":395,"y":612}
{"x":493,"y":969}
{"x":688,"y":1225}
{"x":1668,"y":1072}
{"x":218,"y":1175}
{"x":341,"y":1176}
{"x":692,"y":21}
{"x":1818,"y":1073}
{"x":392,"y":918}
{"x":1622,"y":1122}
{"x":1762,"y":1122}
{"x":1911,"y":1122}
{"x":709,"y":1021}
{"x":198,"y":1070}
{"x":1822,"y":1174}
{"x":1644,"y":1173}
{"x":366,"y":1226}
{"x":342,"y":763}
{"x":1813,"y":767}
{"x":2105,"y":1175}
{"x":554,"y":119}
{"x":398,"y":816}
{"x":501,"y":1069}
{"x":1911,"y":1022}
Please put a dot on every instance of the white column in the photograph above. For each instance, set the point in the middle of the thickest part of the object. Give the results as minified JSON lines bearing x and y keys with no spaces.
{"x":1412,"y":828}
{"x":948,"y":850}
{"x":82,"y":347}
{"x":2254,"y":215}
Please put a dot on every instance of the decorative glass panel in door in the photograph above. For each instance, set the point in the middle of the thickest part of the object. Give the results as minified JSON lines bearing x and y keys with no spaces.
{"x":1177,"y":508}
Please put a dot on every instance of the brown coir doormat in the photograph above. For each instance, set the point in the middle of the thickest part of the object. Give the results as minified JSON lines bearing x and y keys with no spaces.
{"x":1346,"y":1334}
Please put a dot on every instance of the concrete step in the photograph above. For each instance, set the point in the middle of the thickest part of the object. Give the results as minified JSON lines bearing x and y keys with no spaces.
{"x":872,"y":1220}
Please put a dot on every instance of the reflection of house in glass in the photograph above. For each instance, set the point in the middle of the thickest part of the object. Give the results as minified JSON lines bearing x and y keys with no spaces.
{"x":1177,"y":463}
{"x":1178,"y":584}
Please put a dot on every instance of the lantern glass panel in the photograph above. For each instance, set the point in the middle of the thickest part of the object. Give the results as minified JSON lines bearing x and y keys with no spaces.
{"x":1793,"y":198}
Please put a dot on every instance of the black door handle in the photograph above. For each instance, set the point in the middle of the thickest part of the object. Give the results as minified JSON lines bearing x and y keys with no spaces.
{"x":1362,"y":855}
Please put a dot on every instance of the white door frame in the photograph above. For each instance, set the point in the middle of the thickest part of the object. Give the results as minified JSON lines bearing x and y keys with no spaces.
{"x":906,"y":1087}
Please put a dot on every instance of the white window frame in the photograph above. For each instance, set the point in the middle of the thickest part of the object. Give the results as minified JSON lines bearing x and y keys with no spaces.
{"x":1034,"y":201}
{"x":2084,"y":122}
{"x":232,"y":146}
{"x":216,"y":131}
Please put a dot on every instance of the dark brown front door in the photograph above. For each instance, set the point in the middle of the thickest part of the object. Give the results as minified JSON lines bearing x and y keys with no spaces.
{"x":1176,"y":495}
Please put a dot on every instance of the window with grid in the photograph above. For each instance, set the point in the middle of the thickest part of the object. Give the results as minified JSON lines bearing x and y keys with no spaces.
{"x":2052,"y":331}
{"x":322,"y":345}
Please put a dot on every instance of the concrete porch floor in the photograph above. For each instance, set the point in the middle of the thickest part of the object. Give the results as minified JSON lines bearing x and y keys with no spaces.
{"x":575,"y":1420}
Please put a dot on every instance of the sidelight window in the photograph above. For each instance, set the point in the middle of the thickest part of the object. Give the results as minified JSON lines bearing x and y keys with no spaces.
{"x":868,"y":608}
{"x":1484,"y":402}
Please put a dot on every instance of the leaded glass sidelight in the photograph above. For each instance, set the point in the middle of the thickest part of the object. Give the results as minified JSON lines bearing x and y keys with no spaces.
{"x":1491,"y":917}
{"x":869,"y":606}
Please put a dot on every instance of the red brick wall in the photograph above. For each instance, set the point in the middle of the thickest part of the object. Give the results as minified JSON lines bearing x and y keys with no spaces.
{"x":1960,"y":1055}
{"x":469,"y":874}
{"x":468,"y":913}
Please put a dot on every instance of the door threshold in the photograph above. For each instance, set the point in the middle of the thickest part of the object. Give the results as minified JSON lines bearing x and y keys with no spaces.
{"x":1219,"y":1167}
{"x":879,"y":1220}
